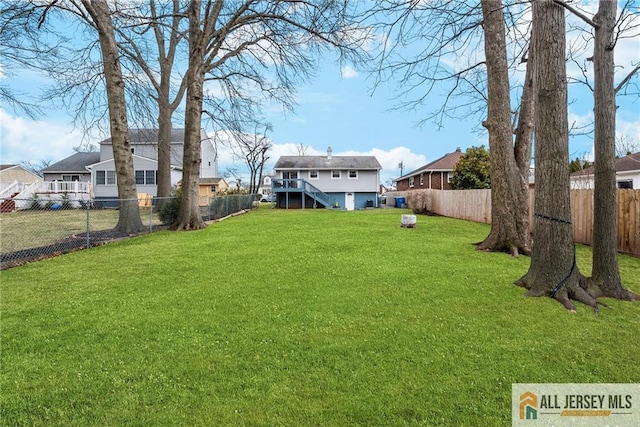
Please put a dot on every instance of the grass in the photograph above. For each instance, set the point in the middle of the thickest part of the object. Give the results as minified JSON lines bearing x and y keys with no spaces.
{"x":296,"y":318}
{"x":34,"y":228}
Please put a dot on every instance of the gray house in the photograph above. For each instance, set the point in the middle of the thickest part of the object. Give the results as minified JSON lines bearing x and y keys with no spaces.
{"x":144,"y":143}
{"x":345,"y":182}
{"x":73,"y":168}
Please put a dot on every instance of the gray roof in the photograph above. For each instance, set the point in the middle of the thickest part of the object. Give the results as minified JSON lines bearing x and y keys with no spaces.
{"x":74,"y":163}
{"x":323,"y":162}
{"x":138,"y":136}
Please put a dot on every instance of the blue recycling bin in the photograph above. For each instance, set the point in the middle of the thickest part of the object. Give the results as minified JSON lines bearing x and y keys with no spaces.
{"x":399,"y":202}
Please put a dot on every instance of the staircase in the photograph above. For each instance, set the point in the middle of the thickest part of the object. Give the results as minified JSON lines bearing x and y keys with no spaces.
{"x":304,"y":188}
{"x":8,"y":205}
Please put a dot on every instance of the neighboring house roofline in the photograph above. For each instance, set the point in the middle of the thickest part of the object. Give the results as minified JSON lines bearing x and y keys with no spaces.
{"x":628,"y":163}
{"x":445,"y":163}
{"x":9,"y":167}
{"x":89,"y":167}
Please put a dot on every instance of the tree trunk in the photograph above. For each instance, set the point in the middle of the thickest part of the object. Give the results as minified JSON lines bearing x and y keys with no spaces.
{"x":553,"y":270}
{"x":605,"y":280}
{"x":525,"y":128}
{"x":509,"y":196}
{"x":164,"y":150}
{"x":129,"y":220}
{"x":189,"y":217}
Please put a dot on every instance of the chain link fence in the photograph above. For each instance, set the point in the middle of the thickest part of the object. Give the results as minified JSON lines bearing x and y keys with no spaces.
{"x":42,"y":227}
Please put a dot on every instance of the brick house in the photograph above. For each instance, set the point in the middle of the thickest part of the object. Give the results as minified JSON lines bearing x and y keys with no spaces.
{"x":435,"y":175}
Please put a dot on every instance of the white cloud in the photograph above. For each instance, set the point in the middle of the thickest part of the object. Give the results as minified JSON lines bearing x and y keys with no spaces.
{"x":348,"y":72}
{"x":34,"y":140}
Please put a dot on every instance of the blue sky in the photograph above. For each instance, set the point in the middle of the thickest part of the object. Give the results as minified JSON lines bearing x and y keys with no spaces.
{"x":336,"y":109}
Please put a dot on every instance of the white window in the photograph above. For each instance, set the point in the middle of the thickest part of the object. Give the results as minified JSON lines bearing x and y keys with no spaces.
{"x":111,"y":177}
{"x":100,"y":178}
{"x":449,"y":177}
{"x":71,"y":177}
{"x":336,"y":174}
{"x":353,"y":174}
{"x":313,"y":174}
{"x":411,"y":181}
{"x":421,"y":179}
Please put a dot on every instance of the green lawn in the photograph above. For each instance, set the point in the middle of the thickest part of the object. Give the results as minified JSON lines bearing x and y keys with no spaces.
{"x":277,"y":317}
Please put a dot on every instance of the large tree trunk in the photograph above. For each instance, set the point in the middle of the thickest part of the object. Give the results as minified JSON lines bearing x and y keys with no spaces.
{"x":129,"y":220}
{"x":605,"y":280}
{"x":164,"y":150}
{"x":553,"y":270}
{"x":509,"y":196}
{"x":189,"y":217}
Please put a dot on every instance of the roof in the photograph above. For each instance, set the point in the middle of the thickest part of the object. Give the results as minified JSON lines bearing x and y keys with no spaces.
{"x":630,"y":162}
{"x":328,"y":163}
{"x":75,"y":163}
{"x":3,"y":167}
{"x":139,"y":136}
{"x":445,"y":163}
{"x":210,"y":181}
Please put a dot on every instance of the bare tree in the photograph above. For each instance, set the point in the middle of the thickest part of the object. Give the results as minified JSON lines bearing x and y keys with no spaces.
{"x":21,"y":47}
{"x":302,"y":149}
{"x":251,"y":44}
{"x":553,"y":270}
{"x":97,"y":14}
{"x":605,"y":275}
{"x":253,"y":150}
{"x":36,"y":167}
{"x":509,"y":189}
{"x":626,"y":145}
{"x":156,"y":58}
{"x":443,"y":39}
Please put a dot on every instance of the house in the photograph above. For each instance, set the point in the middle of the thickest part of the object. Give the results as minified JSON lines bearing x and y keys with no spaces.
{"x":627,"y":174}
{"x":144,"y":143}
{"x":265,"y":186}
{"x":210,"y":187}
{"x":17,"y":173}
{"x":346,"y":182}
{"x":435,"y":175}
{"x":72,"y":168}
{"x":14,"y":179}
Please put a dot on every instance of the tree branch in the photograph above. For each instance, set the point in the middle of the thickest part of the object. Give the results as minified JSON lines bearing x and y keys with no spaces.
{"x":576,"y":12}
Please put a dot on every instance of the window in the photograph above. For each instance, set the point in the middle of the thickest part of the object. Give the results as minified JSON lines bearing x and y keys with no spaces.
{"x":111,"y":177}
{"x":313,"y":174}
{"x":139,"y":177}
{"x":411,"y":181}
{"x":71,"y":177}
{"x":449,"y":177}
{"x":150,"y":177}
{"x":147,"y":177}
{"x":353,"y":174}
{"x":105,"y":177}
{"x":336,"y":174}
{"x":421,"y":179}
{"x":626,"y":184}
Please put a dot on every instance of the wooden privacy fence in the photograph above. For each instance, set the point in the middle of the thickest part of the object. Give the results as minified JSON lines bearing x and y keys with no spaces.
{"x":475,"y":205}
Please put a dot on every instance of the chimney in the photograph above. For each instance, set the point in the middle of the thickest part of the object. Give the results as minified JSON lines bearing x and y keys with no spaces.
{"x":458,"y":150}
{"x":329,"y":153}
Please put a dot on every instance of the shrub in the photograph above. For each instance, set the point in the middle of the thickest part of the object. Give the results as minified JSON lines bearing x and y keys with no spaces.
{"x":168,"y":213}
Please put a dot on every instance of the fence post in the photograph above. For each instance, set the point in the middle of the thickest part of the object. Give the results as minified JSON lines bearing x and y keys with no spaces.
{"x":151,"y":215}
{"x":88,"y":221}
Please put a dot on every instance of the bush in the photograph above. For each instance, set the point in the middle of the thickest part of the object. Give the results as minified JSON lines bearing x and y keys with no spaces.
{"x":168,"y":213}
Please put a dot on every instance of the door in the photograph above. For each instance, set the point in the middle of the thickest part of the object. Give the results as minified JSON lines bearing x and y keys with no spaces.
{"x":350,"y":201}
{"x":290,"y":175}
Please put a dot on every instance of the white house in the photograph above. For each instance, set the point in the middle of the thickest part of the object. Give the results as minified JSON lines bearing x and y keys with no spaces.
{"x":345,"y":182}
{"x":627,"y":174}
